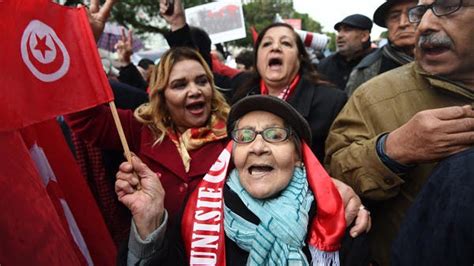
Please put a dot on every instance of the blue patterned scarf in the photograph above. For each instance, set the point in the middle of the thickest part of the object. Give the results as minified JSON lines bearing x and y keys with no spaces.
{"x":281,"y":234}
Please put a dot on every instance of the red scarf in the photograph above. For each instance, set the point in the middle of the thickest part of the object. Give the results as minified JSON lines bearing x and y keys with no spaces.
{"x":194,"y":138}
{"x":286,"y":92}
{"x":203,"y":219}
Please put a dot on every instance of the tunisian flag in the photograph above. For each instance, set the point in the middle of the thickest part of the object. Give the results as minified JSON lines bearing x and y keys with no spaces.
{"x":49,"y":66}
{"x":30,"y":229}
{"x":49,"y":61}
{"x":49,"y":214}
{"x":69,"y":192}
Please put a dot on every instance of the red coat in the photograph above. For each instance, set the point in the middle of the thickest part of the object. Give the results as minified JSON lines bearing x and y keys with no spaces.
{"x":97,"y":126}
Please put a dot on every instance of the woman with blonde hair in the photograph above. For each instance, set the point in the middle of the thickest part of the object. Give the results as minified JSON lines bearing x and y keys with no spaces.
{"x":178,"y":134}
{"x":156,"y":113}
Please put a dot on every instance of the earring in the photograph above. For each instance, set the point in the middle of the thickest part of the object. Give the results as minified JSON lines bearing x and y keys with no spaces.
{"x":302,"y":166}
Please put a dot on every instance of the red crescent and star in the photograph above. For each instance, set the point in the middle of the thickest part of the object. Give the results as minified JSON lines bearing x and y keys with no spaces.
{"x":41,"y":45}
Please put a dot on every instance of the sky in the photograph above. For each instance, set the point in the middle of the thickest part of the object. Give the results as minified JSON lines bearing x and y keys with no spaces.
{"x":329,"y":12}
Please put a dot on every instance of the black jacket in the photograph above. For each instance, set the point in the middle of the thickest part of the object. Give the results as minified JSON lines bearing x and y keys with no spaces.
{"x":337,"y":70}
{"x":130,"y":75}
{"x":438,"y":227}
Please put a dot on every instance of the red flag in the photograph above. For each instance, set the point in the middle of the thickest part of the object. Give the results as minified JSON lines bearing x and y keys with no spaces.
{"x":50,"y":64}
{"x":30,"y":229}
{"x":69,"y":192}
{"x":254,"y":34}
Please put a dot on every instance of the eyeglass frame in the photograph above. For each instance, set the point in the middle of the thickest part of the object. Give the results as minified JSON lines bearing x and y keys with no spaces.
{"x":288,"y":131}
{"x":432,"y":6}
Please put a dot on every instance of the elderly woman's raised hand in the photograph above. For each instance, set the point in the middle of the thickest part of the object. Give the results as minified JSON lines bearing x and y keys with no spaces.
{"x":177,"y":19}
{"x":353,"y":209}
{"x":98,"y":15}
{"x":146,"y":203}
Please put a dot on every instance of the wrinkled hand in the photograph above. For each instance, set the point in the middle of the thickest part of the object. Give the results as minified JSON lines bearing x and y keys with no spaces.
{"x":124,"y":47}
{"x":431,"y":135}
{"x":177,"y":20}
{"x":353,"y":209}
{"x":146,"y":204}
{"x":98,"y":16}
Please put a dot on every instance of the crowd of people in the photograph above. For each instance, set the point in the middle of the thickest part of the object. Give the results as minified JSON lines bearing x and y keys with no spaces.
{"x":363,"y":159}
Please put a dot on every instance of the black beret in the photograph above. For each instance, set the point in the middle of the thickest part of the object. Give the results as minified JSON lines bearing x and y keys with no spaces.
{"x":272,"y":105}
{"x":357,"y":21}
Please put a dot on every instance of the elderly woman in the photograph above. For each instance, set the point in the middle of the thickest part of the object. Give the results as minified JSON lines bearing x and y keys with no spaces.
{"x":283,"y":69}
{"x":277,"y":206}
{"x":178,"y":134}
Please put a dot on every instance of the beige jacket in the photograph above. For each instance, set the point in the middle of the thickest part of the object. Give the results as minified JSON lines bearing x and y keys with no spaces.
{"x":381,"y":105}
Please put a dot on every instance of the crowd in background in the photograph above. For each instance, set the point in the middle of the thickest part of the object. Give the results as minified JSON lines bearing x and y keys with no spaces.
{"x":394,"y":123}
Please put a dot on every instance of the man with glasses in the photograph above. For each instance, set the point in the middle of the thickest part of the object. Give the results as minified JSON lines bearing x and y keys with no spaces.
{"x":397,"y":126}
{"x":393,"y":15}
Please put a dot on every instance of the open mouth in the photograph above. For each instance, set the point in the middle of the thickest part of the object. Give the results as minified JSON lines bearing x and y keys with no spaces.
{"x":196,"y":108}
{"x":434,"y":49}
{"x":275,"y":63}
{"x":260,"y":169}
{"x":434,"y":45}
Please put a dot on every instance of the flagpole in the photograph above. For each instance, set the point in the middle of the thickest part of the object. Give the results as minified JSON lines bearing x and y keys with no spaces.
{"x":126,"y":149}
{"x":113,"y":108}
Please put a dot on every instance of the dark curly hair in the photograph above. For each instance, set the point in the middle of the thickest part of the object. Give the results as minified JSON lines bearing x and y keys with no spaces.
{"x":307,"y":70}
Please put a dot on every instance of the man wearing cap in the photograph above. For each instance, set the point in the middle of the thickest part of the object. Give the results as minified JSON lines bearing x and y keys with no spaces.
{"x":397,"y":126}
{"x":353,"y":44}
{"x":393,"y":15}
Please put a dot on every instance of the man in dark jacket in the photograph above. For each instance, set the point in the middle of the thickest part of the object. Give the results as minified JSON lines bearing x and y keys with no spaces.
{"x":393,"y":15}
{"x":353,"y":44}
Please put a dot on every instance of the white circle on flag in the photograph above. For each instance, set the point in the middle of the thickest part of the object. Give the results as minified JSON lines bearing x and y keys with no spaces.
{"x":43,"y":52}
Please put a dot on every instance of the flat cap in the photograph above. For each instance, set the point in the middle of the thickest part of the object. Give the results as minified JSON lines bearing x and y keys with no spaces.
{"x":357,"y":21}
{"x":272,"y":105}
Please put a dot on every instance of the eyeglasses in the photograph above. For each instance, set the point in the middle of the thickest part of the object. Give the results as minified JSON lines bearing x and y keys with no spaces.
{"x":439,"y":7}
{"x":270,"y":134}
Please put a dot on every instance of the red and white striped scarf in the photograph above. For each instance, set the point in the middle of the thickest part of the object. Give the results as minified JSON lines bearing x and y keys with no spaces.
{"x":283,"y":94}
